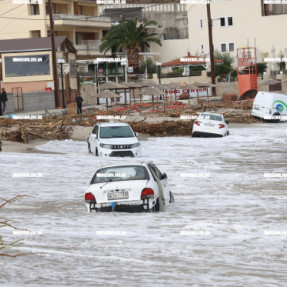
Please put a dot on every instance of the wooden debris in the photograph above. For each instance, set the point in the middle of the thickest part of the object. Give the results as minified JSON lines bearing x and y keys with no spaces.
{"x":25,"y":131}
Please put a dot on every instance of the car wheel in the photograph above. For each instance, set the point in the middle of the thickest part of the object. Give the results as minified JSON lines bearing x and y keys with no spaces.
{"x":228,"y":133}
{"x":157,"y":205}
{"x":96,"y":152}
{"x":89,"y":147}
{"x":276,"y":120}
{"x":171,"y":197}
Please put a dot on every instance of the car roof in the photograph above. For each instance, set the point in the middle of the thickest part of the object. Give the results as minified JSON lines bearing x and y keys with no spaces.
{"x":209,"y":113}
{"x":143,"y":163}
{"x":116,"y":165}
{"x":113,"y":124}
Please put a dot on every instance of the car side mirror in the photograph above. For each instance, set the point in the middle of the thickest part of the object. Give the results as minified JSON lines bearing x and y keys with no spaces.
{"x":136,"y":134}
{"x":164,"y":176}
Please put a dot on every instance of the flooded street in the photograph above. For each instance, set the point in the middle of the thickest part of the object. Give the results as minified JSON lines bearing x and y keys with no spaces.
{"x":227,"y":226}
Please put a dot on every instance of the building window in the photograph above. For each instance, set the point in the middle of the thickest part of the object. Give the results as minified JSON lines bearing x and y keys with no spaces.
{"x":202,"y":49}
{"x":227,"y":47}
{"x":34,"y":65}
{"x":201,"y":23}
{"x":226,"y":21}
{"x":35,"y":9}
{"x":35,"y":34}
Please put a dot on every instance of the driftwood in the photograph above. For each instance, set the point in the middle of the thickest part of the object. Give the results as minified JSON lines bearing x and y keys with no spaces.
{"x":166,"y":128}
{"x":25,"y":131}
{"x":5,"y":223}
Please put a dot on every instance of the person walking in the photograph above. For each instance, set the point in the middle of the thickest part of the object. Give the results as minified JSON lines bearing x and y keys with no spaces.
{"x":3,"y":100}
{"x":79,"y":100}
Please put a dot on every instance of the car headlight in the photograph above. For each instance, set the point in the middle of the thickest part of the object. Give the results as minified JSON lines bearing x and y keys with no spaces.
{"x":105,"y":146}
{"x":135,"y":145}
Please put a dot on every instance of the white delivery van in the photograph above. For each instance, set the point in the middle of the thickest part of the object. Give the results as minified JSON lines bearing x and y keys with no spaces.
{"x":270,"y":106}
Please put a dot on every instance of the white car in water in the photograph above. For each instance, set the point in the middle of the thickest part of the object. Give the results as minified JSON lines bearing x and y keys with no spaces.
{"x":210,"y":125}
{"x":138,"y":187}
{"x":114,"y":140}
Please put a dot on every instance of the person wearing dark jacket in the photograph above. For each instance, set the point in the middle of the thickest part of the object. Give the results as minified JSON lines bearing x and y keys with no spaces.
{"x":3,"y":99}
{"x":79,"y":101}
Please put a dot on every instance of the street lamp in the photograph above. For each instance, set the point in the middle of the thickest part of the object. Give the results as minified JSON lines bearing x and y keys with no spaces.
{"x":96,"y":63}
{"x":61,"y":62}
{"x":158,"y":64}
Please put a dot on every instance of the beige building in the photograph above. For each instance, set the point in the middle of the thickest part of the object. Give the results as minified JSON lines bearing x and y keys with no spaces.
{"x":27,"y":72}
{"x":238,"y":23}
{"x":78,"y":20}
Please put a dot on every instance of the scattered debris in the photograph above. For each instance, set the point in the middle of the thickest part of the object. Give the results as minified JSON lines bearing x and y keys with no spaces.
{"x":23,"y":131}
{"x":160,"y":122}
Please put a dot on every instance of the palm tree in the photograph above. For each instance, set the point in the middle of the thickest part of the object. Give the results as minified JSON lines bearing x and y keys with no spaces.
{"x":131,"y":37}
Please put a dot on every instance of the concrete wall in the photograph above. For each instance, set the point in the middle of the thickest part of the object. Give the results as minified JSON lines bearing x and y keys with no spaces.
{"x":184,"y":80}
{"x":27,"y":87}
{"x":32,"y":102}
{"x":88,"y":93}
{"x":170,"y":50}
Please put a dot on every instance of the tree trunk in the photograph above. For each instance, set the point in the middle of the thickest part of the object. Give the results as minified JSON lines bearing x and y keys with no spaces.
{"x":133,"y":59}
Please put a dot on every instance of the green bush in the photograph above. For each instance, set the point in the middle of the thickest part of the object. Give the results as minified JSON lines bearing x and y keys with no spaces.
{"x":261,"y":68}
{"x":225,"y":67}
{"x":233,"y":73}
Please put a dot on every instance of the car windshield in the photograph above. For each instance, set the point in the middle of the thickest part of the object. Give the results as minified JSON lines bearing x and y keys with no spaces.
{"x":120,"y":173}
{"x":116,"y":132}
{"x":211,"y":117}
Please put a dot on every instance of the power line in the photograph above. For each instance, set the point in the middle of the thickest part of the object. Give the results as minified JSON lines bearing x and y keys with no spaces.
{"x":31,"y":19}
{"x":7,"y":23}
{"x":10,"y":10}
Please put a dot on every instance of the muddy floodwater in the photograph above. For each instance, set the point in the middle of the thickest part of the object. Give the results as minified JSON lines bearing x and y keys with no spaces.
{"x":227,"y":226}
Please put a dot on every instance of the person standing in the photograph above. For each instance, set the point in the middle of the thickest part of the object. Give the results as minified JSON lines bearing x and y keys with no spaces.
{"x":4,"y":99}
{"x":79,"y":100}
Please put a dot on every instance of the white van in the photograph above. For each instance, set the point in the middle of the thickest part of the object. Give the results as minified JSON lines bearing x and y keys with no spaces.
{"x":270,"y":106}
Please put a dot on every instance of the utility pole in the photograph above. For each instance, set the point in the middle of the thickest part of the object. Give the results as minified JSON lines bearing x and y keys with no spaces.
{"x":211,"y":46}
{"x":54,"y":56}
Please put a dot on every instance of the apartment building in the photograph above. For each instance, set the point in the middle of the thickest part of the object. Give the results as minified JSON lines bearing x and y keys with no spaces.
{"x":172,"y":24}
{"x":78,"y":20}
{"x":238,"y":23}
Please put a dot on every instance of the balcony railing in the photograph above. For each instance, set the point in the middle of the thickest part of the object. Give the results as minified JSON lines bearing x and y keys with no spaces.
{"x":81,"y":18}
{"x":88,"y":45}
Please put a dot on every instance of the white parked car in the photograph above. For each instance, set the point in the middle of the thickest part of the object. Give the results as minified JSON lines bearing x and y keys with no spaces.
{"x":114,"y":140}
{"x":139,"y":187}
{"x":210,"y":125}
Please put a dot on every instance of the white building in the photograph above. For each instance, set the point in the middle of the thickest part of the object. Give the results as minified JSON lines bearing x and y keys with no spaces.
{"x":238,"y":23}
